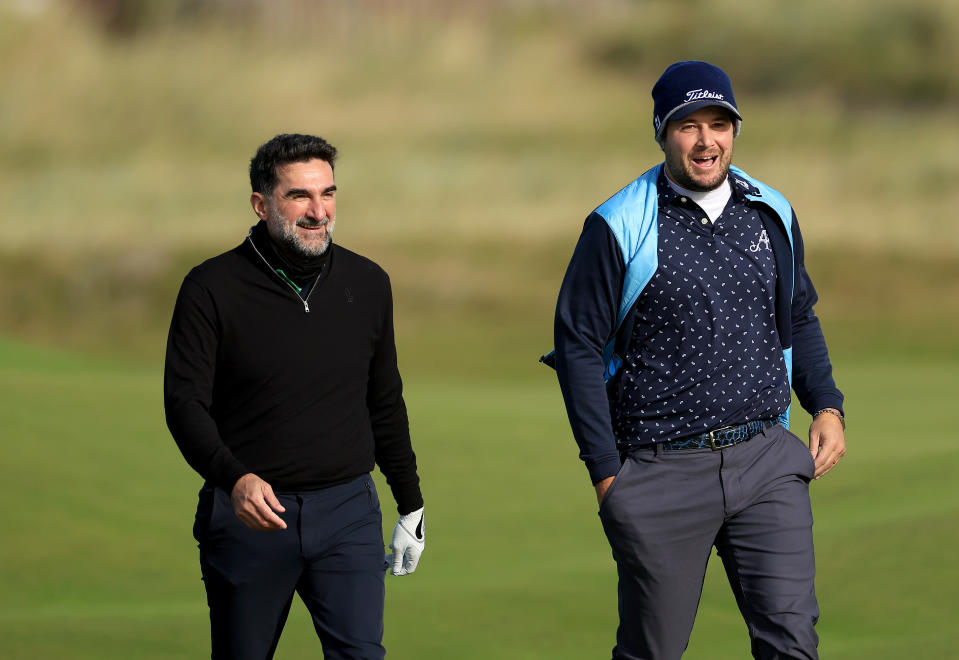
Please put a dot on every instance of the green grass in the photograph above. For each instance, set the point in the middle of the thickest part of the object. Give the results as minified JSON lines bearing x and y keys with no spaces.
{"x":502,"y":124}
{"x":99,"y":561}
{"x":472,"y":146}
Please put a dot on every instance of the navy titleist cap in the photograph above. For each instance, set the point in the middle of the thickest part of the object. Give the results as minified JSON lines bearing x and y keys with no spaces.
{"x":685,"y":87}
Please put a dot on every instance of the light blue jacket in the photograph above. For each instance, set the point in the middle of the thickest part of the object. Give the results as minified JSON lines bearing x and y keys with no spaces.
{"x":612,"y":264}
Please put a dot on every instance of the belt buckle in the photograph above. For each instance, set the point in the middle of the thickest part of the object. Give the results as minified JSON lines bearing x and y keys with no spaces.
{"x":712,"y":436}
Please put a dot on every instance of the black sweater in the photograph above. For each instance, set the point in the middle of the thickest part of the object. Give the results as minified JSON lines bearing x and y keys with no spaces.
{"x":305,"y":394}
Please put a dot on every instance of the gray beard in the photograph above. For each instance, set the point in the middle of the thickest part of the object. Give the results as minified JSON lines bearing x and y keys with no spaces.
{"x":288,"y":240}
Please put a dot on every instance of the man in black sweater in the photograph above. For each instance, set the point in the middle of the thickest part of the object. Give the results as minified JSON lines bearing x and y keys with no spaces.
{"x":282,"y":390}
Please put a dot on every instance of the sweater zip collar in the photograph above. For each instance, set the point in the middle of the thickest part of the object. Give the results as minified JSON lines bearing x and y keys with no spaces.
{"x":283,"y":278}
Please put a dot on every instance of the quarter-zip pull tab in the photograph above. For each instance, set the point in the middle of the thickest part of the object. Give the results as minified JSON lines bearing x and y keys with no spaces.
{"x":306,"y":307}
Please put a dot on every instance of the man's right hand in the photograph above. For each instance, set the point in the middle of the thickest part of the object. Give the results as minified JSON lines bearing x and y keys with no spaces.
{"x":601,"y":488}
{"x":255,"y":504}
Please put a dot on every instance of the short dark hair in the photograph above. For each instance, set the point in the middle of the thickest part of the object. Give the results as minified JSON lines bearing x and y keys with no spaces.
{"x":283,"y":149}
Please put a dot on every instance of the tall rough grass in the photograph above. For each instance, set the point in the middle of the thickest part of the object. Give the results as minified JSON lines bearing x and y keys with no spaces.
{"x":474,"y":139}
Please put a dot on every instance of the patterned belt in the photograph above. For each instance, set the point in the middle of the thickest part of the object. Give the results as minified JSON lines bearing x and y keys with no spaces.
{"x":720,"y":438}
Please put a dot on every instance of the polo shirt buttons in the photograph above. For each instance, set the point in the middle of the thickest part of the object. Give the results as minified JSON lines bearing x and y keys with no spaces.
{"x":683,"y":200}
{"x":705,"y":221}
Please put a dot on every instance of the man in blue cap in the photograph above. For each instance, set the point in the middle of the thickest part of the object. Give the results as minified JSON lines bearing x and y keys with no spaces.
{"x":684,"y":320}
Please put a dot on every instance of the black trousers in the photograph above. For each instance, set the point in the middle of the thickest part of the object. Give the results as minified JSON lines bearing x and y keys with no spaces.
{"x":666,"y":510}
{"x":331,"y":554}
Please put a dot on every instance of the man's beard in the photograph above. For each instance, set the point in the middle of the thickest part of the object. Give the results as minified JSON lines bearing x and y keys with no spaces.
{"x":287,"y":238}
{"x":677,"y":168}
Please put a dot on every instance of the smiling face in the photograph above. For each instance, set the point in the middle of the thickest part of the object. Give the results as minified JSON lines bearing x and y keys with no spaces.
{"x":300,"y":213}
{"x":699,"y":149}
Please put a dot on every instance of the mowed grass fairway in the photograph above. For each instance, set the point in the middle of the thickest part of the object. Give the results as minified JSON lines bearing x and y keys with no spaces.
{"x":98,"y":561}
{"x":474,"y":138}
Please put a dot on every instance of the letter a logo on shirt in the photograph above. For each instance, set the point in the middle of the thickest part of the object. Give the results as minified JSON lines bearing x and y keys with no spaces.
{"x":762,"y":242}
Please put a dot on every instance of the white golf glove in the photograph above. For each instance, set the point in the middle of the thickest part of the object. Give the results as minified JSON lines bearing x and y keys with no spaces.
{"x":409,"y":539}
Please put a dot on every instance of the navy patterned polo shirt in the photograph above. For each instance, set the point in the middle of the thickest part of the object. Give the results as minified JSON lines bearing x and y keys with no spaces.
{"x":704,"y":351}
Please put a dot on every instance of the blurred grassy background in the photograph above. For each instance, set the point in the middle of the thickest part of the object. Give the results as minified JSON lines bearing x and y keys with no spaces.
{"x":474,"y":141}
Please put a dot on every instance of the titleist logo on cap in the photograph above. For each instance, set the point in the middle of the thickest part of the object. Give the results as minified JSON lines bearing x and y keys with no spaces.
{"x":686,"y":86}
{"x":697,"y":94}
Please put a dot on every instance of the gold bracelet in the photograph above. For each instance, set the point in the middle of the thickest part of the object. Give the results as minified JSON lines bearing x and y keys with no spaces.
{"x":842,"y":418}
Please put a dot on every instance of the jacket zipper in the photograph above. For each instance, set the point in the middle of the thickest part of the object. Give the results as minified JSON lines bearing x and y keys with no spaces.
{"x":293,"y":287}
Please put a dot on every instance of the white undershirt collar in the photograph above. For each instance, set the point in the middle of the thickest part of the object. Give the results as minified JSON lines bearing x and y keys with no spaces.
{"x":712,"y":201}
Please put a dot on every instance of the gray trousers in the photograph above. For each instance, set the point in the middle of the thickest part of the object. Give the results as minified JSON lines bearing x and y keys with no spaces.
{"x":664,"y":512}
